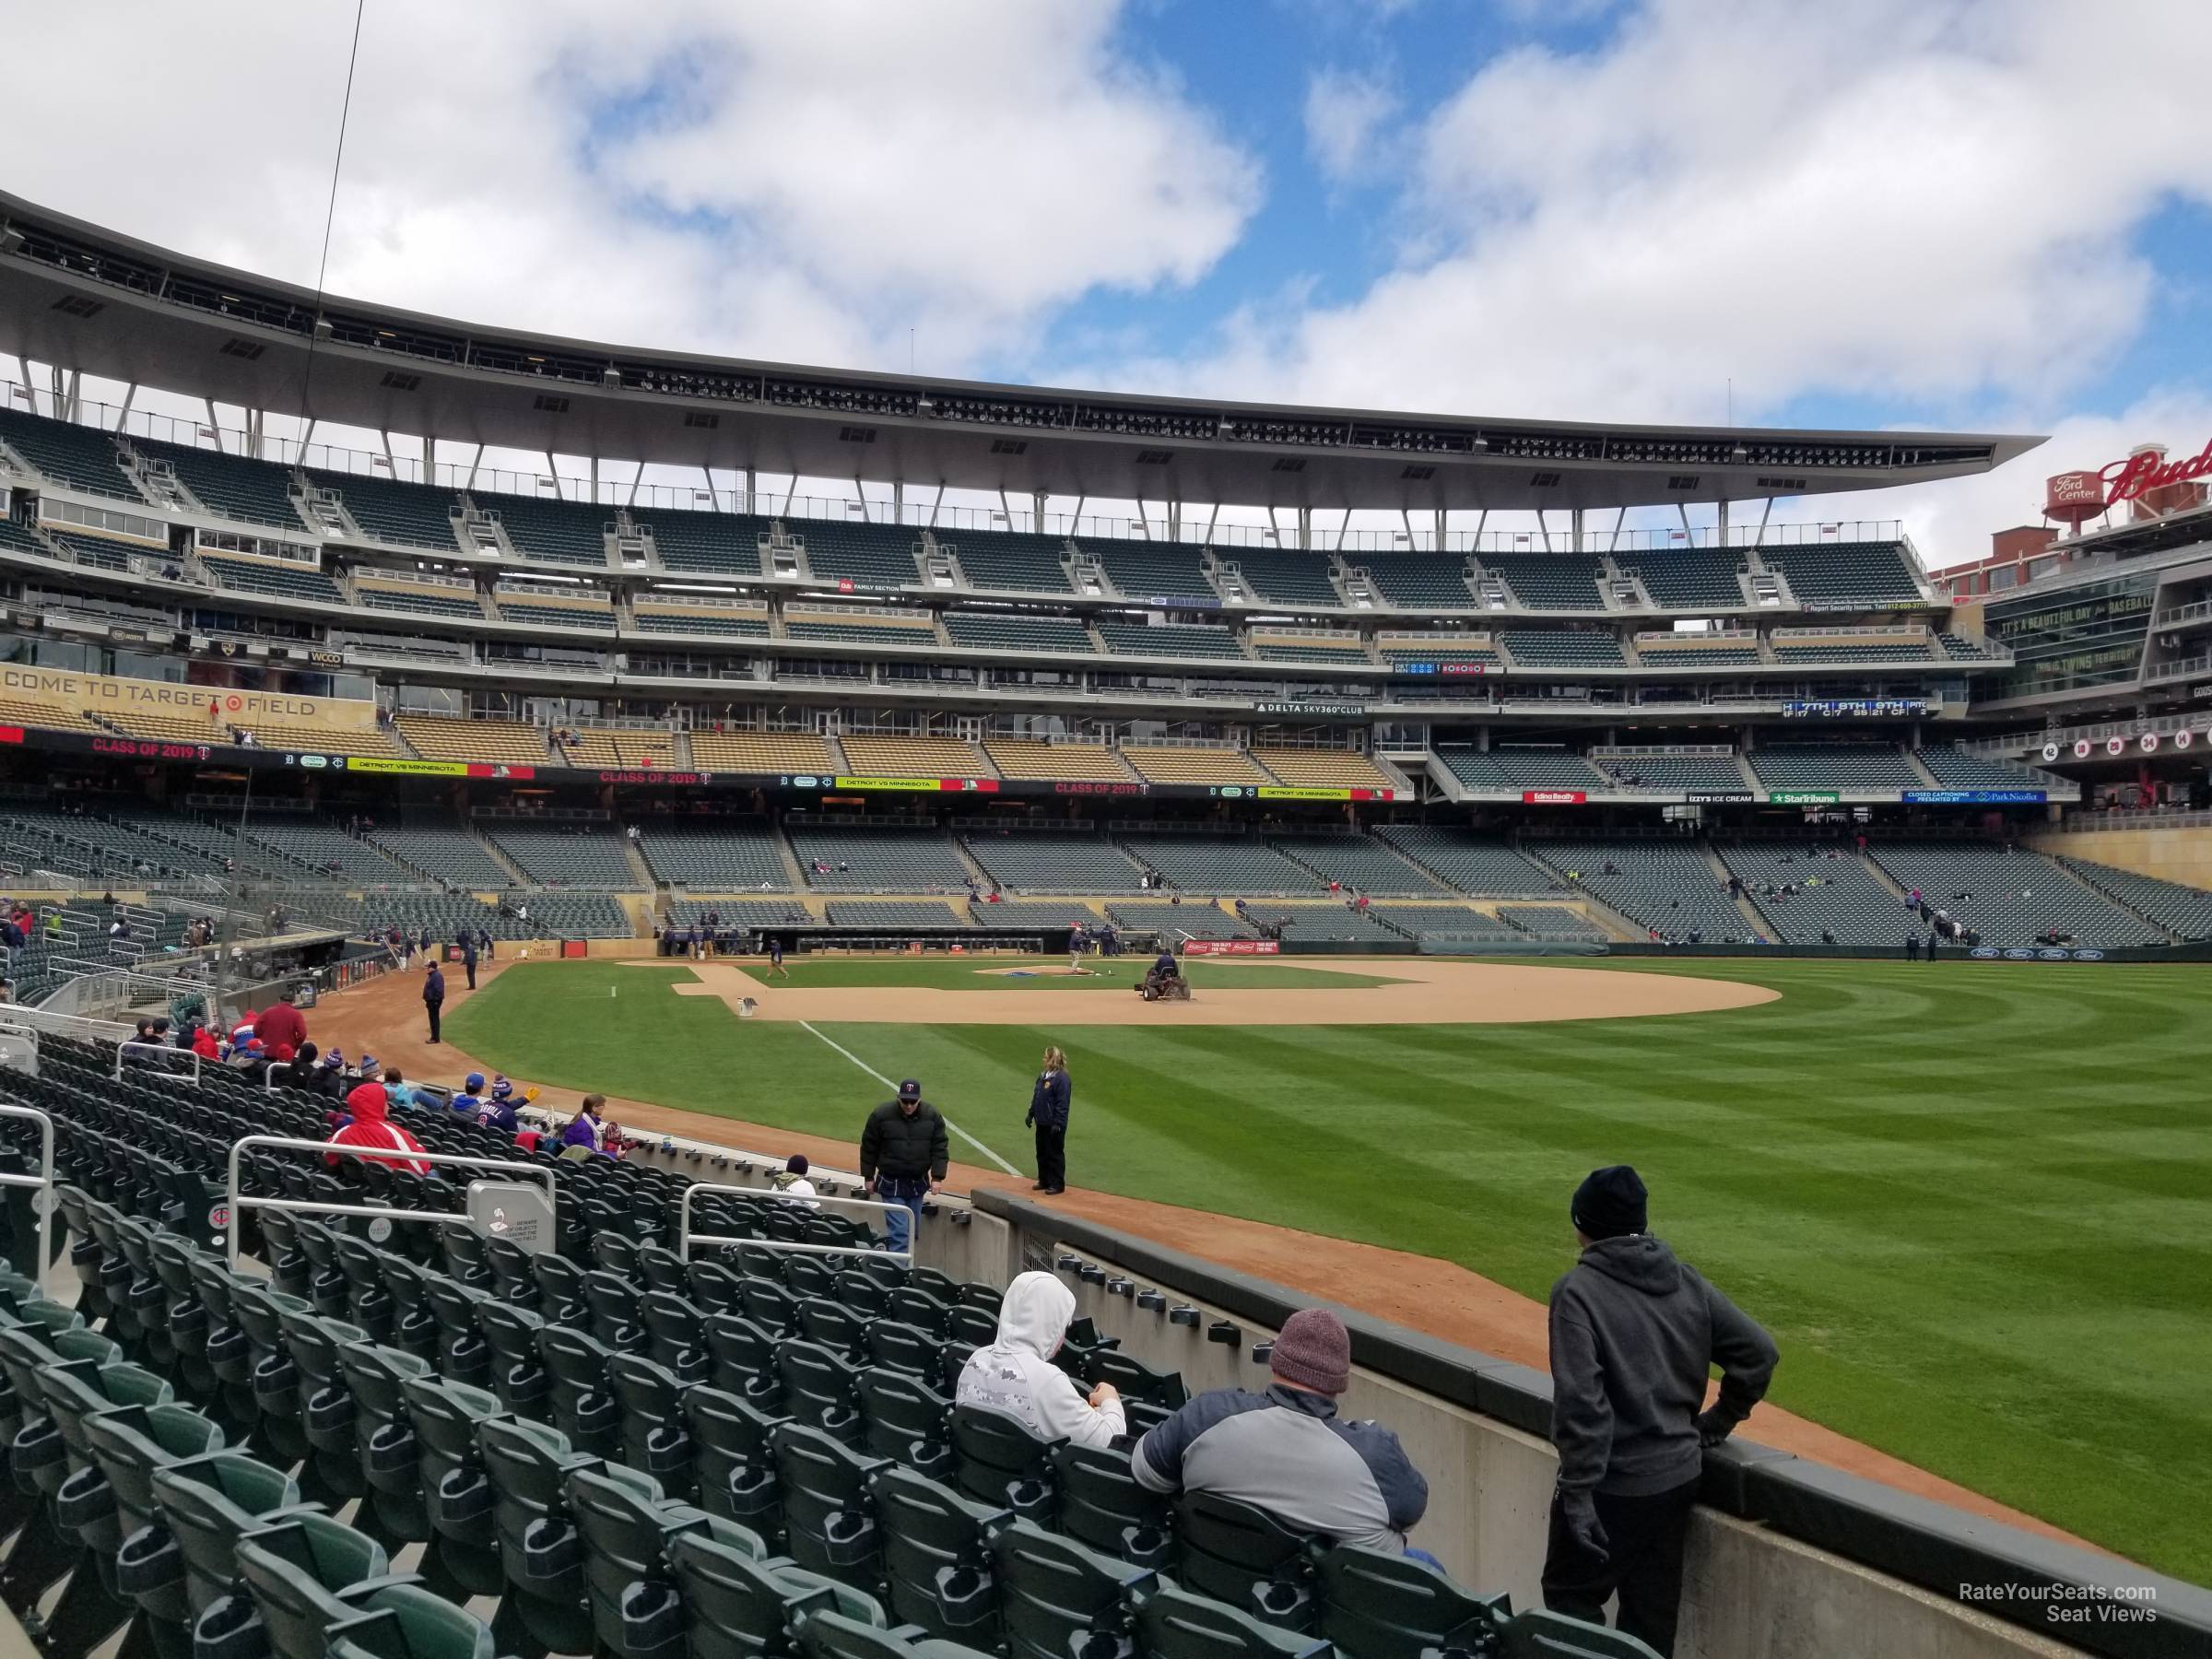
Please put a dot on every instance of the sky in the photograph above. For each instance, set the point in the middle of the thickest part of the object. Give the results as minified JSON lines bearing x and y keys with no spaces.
{"x":1985,"y":217}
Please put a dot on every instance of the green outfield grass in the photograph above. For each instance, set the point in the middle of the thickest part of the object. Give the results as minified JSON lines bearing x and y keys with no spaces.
{"x":1973,"y":1201}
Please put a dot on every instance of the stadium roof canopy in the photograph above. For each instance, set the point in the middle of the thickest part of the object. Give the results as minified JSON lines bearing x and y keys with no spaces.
{"x":78,"y":297}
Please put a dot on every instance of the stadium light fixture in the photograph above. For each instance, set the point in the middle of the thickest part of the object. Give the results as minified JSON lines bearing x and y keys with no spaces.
{"x":11,"y":239}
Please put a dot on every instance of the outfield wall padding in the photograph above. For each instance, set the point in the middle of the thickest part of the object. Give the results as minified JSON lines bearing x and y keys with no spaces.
{"x":1788,"y":1558}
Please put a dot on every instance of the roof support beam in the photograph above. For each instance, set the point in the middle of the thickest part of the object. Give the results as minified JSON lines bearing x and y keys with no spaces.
{"x":935,"y":502}
{"x":130,"y":396}
{"x":1210,"y":519}
{"x":1620,"y":517}
{"x":474,"y":461}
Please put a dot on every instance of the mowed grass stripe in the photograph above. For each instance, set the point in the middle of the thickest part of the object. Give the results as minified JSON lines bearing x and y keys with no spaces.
{"x":1972,"y":1200}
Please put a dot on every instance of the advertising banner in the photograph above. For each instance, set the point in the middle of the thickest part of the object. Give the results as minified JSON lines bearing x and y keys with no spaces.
{"x":1231,"y":947}
{"x":1801,"y":797}
{"x":1287,"y":792}
{"x":394,"y":766}
{"x":1714,"y":797}
{"x":921,"y":786}
{"x":1974,"y":798}
{"x":1554,"y":797}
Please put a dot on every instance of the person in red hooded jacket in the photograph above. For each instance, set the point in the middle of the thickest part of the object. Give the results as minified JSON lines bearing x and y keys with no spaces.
{"x":372,"y":1126}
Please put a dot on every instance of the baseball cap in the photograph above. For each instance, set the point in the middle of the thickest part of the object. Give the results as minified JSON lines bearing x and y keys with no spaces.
{"x":474,"y":1081}
{"x":910,"y":1090}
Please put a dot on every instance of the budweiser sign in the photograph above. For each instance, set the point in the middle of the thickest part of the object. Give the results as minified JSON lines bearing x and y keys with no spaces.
{"x":2147,"y":470}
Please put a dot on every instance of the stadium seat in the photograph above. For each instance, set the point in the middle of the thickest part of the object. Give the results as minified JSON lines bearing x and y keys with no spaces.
{"x":936,"y":1557}
{"x":1243,"y":1556}
{"x":1380,"y":1605}
{"x":1059,"y":1598}
{"x":828,"y":1521}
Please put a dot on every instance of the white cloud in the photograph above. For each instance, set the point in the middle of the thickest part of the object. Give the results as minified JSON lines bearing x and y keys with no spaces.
{"x":1951,"y":523}
{"x":1343,"y":113}
{"x":1881,"y":198}
{"x":794,"y":182}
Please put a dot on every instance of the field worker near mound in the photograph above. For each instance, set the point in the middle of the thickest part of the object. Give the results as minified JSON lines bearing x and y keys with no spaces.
{"x":1047,"y":1115}
{"x":1016,"y":1374}
{"x":1634,"y":1334}
{"x":1287,"y":1451}
{"x":903,"y":1151}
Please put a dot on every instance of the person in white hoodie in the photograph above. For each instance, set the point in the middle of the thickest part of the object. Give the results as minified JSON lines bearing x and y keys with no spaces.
{"x":1016,"y":1373}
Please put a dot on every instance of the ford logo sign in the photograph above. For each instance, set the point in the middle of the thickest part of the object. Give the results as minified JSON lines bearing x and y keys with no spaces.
{"x":1987,"y":953}
{"x":2089,"y":956}
{"x":2055,"y":956}
{"x":2019,"y":954}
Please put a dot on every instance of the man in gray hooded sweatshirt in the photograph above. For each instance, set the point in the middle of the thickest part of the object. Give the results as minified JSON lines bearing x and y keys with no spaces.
{"x":1634,"y":1334}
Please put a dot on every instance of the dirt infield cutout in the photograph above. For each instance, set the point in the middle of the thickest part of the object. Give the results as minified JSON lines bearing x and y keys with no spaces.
{"x":1419,"y":992}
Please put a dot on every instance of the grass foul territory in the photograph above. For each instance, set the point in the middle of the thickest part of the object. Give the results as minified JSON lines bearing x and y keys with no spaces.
{"x":1973,"y":1201}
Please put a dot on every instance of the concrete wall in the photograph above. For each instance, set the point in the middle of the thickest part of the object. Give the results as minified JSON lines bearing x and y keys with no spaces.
{"x":2183,"y":855}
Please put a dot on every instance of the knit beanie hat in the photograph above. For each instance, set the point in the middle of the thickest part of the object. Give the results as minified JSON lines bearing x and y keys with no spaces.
{"x":1314,"y":1351}
{"x":1609,"y":1203}
{"x":798,"y":1164}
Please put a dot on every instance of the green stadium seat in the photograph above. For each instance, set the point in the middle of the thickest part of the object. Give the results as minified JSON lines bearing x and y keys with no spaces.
{"x":733,"y":1448}
{"x":1103,"y":1506}
{"x":1381,"y":1606}
{"x":456,"y":1491}
{"x":207,"y":1504}
{"x":406,"y":1623}
{"x":936,"y":1557}
{"x":997,"y":1460}
{"x":626,"y":1529}
{"x":829,"y":1523}
{"x":296,"y":1576}
{"x":1245,"y":1557}
{"x":737,"y":1606}
{"x":1058,"y":1598}
{"x":1542,"y":1634}
{"x":528,"y":1465}
{"x":906,"y":1420}
{"x":1173,"y":1624}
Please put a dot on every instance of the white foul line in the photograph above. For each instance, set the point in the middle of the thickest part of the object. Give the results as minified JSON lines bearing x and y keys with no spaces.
{"x":879,"y":1077}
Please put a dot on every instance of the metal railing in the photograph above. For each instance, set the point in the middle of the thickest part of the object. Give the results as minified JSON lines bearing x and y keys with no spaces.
{"x":686,"y":1238}
{"x":42,"y":1182}
{"x":240,"y":1201}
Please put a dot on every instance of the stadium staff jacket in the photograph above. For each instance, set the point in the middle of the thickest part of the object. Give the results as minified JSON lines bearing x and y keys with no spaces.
{"x":903,"y":1148}
{"x":1287,"y":1451}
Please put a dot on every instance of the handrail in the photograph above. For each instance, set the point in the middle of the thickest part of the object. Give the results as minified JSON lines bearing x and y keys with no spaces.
{"x":42,"y":1181}
{"x":240,"y":1200}
{"x":686,"y":1238}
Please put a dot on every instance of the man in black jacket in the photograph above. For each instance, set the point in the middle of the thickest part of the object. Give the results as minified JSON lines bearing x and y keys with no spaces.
{"x":903,"y":1151}
{"x":433,"y":997}
{"x":1634,"y":1334}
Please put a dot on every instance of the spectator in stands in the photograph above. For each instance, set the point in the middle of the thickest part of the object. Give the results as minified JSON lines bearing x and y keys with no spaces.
{"x":588,"y":1128}
{"x":304,"y":1072}
{"x":1287,"y":1451}
{"x":793,"y":1183}
{"x":399,"y":1094}
{"x":468,"y":1098}
{"x":497,"y":1110}
{"x":903,"y":1151}
{"x":1634,"y":1334}
{"x":1049,"y":1100}
{"x":281,"y":1024}
{"x":206,"y":1045}
{"x":370,"y":1125}
{"x":433,"y":997}
{"x":1015,"y":1374}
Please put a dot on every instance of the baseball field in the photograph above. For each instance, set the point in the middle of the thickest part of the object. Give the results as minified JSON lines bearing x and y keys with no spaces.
{"x":1973,"y":1201}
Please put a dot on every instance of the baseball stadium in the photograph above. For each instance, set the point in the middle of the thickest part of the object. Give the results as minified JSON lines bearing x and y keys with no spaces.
{"x":1501,"y":800}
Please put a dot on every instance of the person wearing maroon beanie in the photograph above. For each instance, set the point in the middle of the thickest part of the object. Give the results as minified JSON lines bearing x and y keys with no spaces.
{"x":1287,"y":1451}
{"x":1634,"y":1335}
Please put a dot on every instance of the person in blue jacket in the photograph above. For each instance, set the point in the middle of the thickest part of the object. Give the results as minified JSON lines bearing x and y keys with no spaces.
{"x":1048,"y":1114}
{"x":471,"y":1095}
